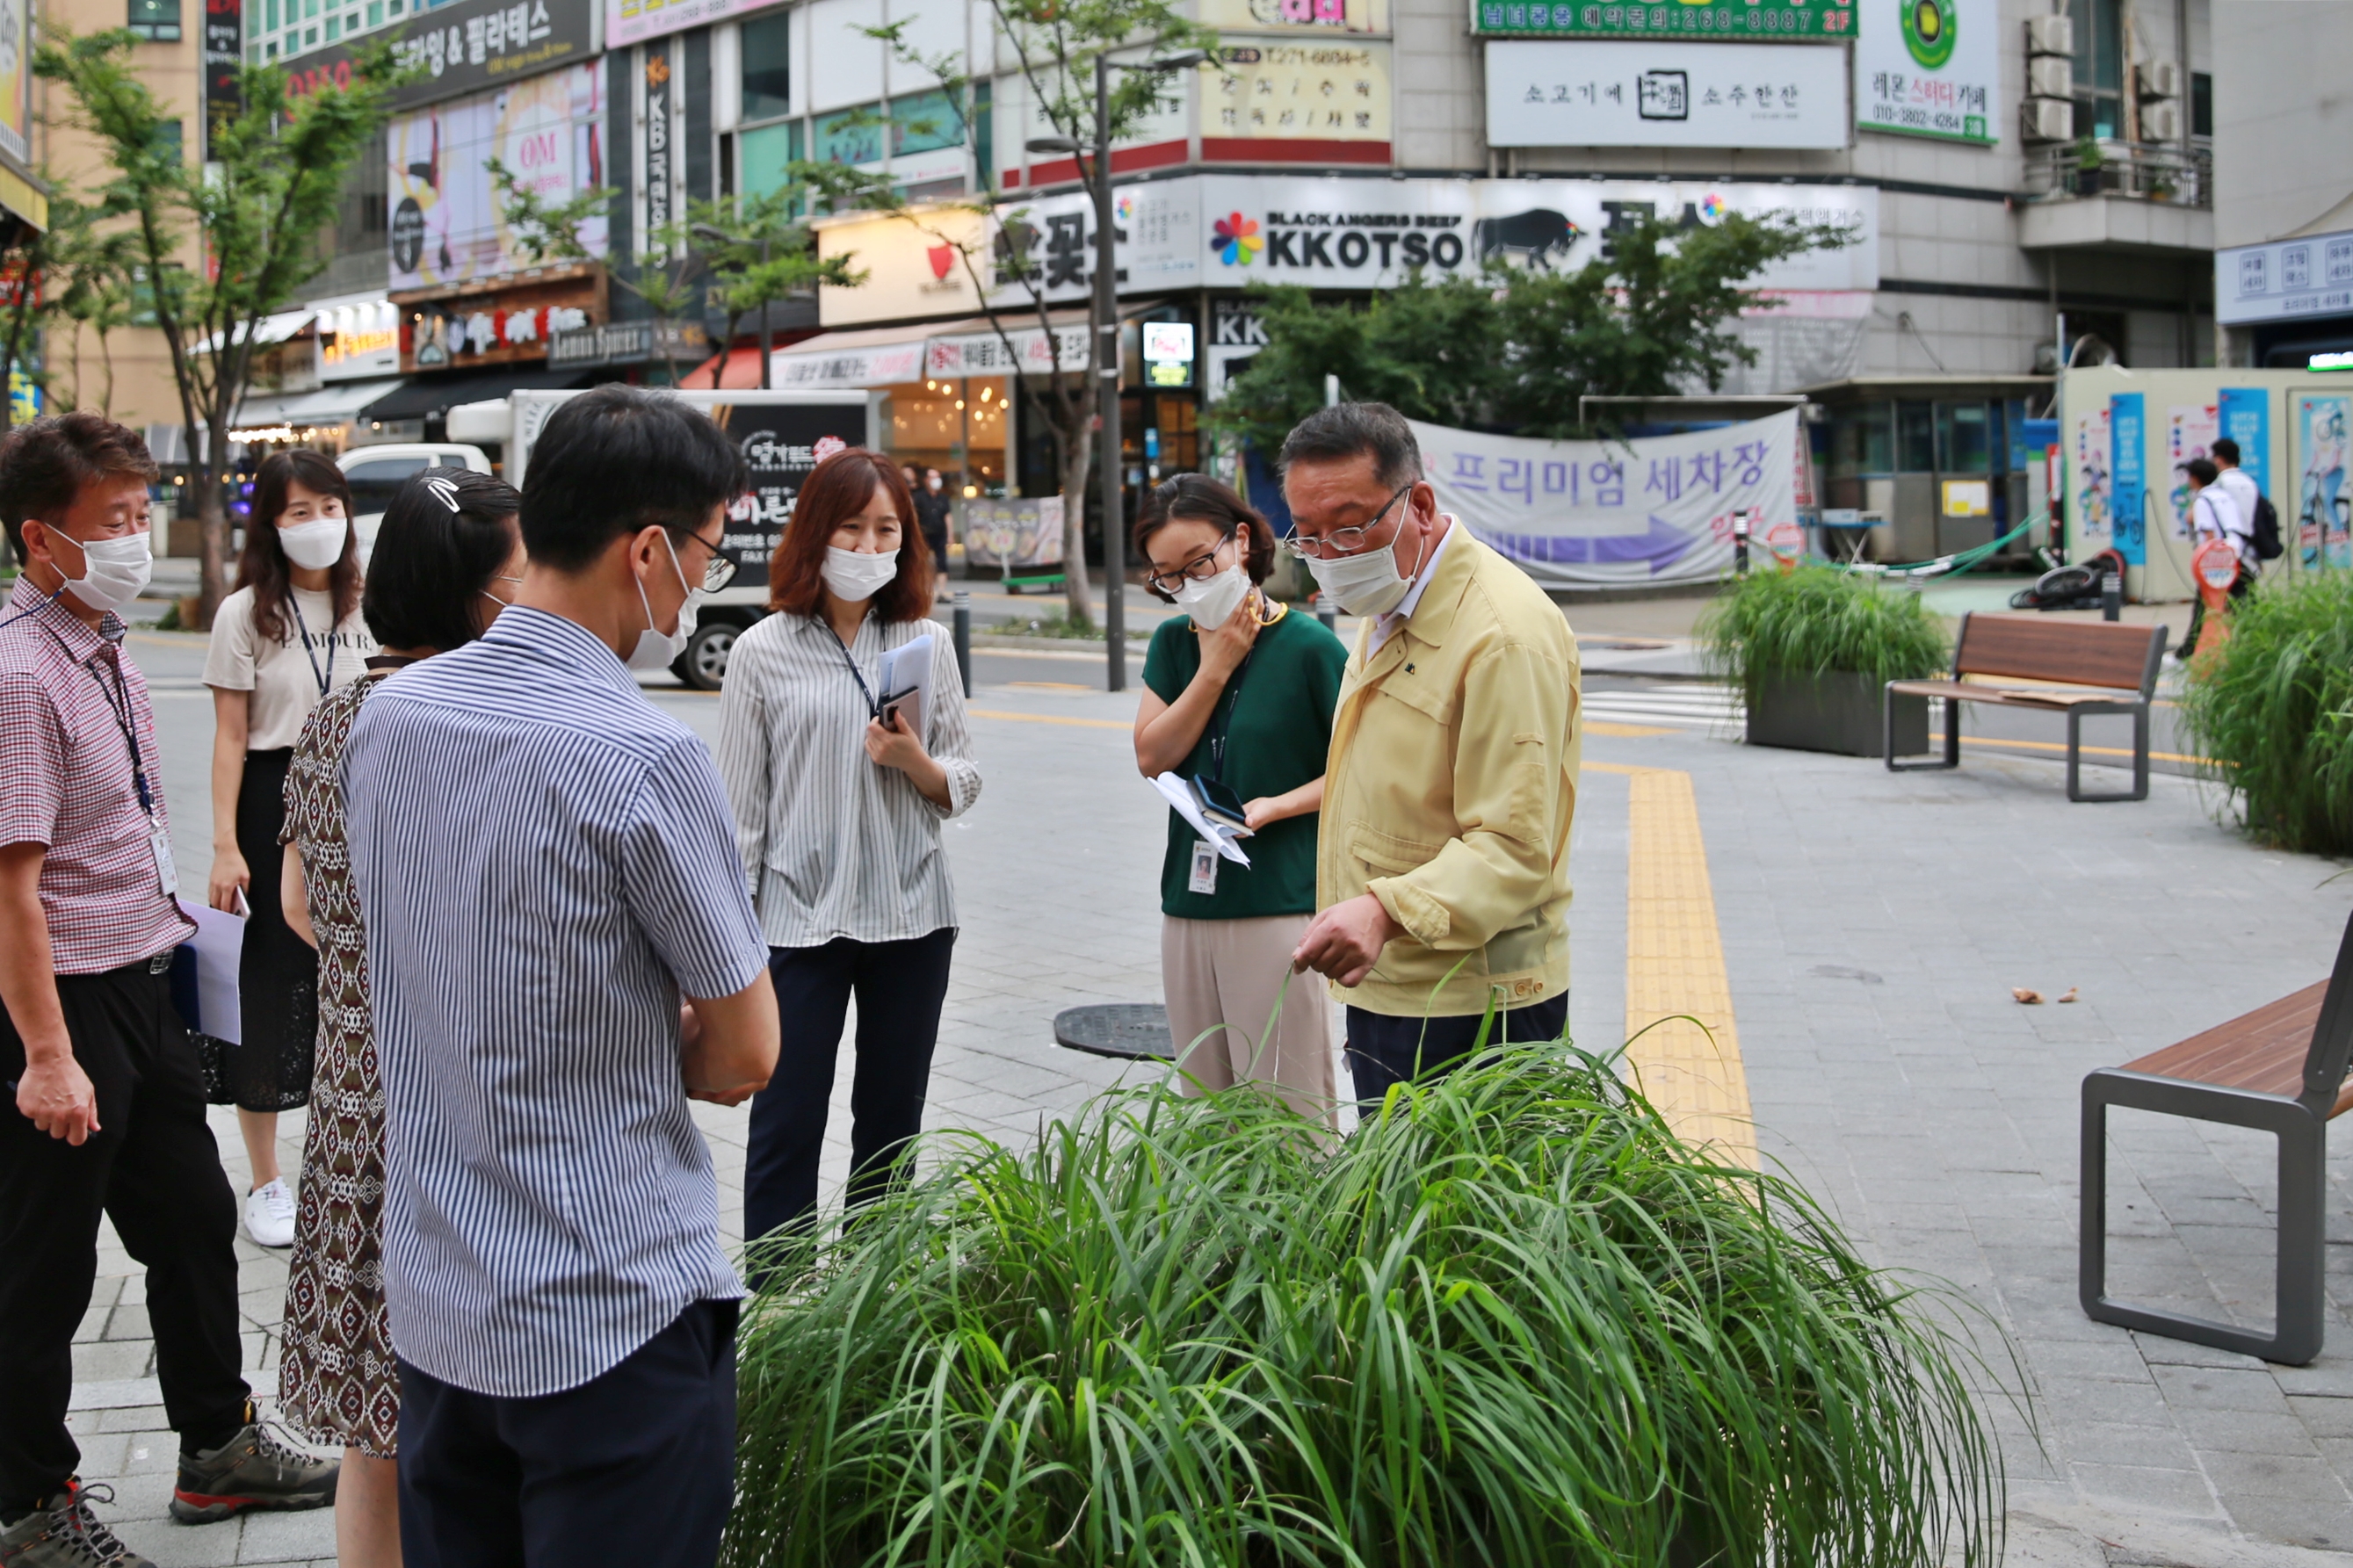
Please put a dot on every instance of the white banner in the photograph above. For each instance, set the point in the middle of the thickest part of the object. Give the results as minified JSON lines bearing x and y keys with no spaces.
{"x":1929,"y":67}
{"x":1656,"y":510}
{"x":1669,"y":93}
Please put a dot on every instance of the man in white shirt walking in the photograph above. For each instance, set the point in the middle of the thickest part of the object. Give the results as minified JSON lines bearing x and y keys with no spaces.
{"x":2214,"y":514}
{"x":2236,"y":483}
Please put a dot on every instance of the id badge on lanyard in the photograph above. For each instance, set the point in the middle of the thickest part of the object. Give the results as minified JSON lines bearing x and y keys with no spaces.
{"x":159,"y":837}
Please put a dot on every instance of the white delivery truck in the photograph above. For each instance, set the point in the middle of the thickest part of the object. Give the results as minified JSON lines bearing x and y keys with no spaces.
{"x":782,"y":435}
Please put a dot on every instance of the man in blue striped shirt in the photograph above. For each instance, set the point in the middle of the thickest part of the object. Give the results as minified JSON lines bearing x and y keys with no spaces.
{"x":546,"y":866}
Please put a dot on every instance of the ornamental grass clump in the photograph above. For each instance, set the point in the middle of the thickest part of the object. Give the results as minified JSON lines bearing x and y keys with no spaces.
{"x":1815,"y":619}
{"x":2272,"y":712}
{"x":1510,"y":1321}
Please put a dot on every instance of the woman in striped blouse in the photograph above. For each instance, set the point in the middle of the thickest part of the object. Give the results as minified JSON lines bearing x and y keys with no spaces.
{"x":838,"y":812}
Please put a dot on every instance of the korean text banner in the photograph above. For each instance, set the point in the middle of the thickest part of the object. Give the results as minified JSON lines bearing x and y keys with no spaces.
{"x":446,"y":225}
{"x":1666,"y":94}
{"x":1929,"y":67}
{"x":1678,"y":18}
{"x":1657,"y":509}
{"x":464,"y":46}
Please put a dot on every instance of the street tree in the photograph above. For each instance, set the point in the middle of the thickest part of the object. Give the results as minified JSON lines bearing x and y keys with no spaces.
{"x":1055,"y":46}
{"x":94,"y":271}
{"x":1515,"y":348}
{"x":221,"y":246}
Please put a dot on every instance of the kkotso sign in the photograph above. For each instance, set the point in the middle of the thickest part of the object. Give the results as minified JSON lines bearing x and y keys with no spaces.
{"x":1371,"y":234}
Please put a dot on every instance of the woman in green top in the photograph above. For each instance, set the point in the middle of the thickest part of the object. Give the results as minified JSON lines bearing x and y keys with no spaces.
{"x":1239,"y":694}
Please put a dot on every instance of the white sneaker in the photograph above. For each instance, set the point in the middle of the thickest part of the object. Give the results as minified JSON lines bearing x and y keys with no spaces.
{"x":269,"y":1215}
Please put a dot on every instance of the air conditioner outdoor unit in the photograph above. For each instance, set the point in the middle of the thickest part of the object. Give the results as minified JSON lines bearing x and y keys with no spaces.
{"x":2050,"y":75}
{"x":2160,"y":78}
{"x":2050,"y":36}
{"x":2047,"y":120}
{"x":2161,"y":123}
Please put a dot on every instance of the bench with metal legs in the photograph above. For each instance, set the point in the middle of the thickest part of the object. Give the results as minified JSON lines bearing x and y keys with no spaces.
{"x":2117,"y":663}
{"x":2279,"y":1069}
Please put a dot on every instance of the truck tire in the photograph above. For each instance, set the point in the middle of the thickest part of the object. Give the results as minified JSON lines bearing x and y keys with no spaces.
{"x":703,"y":665}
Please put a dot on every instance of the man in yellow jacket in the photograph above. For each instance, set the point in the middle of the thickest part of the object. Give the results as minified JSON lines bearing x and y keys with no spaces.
{"x":1442,"y":853}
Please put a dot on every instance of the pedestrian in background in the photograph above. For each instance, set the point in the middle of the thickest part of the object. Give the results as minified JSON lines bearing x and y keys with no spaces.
{"x":2214,"y":515}
{"x":448,"y":559}
{"x":107,"y":1106}
{"x":1442,"y":863}
{"x":838,"y":812}
{"x":933,"y":509}
{"x":544,"y":870}
{"x":289,"y":635}
{"x":1238,"y":691}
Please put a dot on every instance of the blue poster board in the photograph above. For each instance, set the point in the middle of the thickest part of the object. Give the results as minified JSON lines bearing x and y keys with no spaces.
{"x":2128,"y":475}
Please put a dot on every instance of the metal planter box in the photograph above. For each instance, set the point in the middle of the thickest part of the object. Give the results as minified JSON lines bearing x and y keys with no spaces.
{"x":1838,"y":711}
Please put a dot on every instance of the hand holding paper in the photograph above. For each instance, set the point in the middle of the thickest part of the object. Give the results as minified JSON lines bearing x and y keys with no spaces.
{"x":1179,"y":796}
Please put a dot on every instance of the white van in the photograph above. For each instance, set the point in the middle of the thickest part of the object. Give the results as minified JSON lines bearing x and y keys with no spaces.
{"x":376,"y":473}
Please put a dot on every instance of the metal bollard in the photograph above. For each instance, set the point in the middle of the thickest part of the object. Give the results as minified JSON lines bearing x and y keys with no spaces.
{"x":2112,"y":596}
{"x":1329,"y":614}
{"x":963,"y":637}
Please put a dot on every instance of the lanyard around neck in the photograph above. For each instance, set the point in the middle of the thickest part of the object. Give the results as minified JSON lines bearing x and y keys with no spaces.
{"x":873,"y":709}
{"x":323,"y":676}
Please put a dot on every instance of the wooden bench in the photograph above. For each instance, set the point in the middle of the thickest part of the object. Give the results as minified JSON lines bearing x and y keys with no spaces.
{"x":2106,"y":658}
{"x":2279,"y":1069}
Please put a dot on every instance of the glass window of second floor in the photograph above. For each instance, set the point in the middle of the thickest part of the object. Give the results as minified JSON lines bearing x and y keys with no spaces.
{"x":157,"y":21}
{"x":767,"y":82}
{"x":2099,"y":66}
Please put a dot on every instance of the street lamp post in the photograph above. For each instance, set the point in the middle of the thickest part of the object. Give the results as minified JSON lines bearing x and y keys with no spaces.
{"x":1106,"y":357}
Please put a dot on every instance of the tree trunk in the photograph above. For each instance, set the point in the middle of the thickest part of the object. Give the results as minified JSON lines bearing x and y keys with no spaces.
{"x":1078,"y":461}
{"x":212,"y":523}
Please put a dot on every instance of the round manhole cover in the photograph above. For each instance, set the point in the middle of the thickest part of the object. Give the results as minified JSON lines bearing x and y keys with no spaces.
{"x":1131,"y":1031}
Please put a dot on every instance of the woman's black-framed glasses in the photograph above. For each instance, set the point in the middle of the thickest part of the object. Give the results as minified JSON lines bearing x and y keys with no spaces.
{"x":1199,"y":569}
{"x":1342,"y":541}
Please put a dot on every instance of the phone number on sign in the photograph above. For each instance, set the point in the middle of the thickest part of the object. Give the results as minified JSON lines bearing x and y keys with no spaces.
{"x":1911,"y":119}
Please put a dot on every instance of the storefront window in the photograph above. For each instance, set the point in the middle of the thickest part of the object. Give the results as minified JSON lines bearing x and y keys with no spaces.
{"x":1915,"y":438}
{"x":924,"y":123}
{"x":763,"y":156}
{"x":767,"y":84}
{"x":1964,"y":438}
{"x":1863,"y":440}
{"x":850,"y":136}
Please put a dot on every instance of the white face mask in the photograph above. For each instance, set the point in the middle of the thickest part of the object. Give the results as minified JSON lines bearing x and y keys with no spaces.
{"x":659,"y":651}
{"x":314,"y":546}
{"x":1212,"y":601}
{"x":113,"y":571}
{"x":854,"y":577}
{"x":1367,"y":584}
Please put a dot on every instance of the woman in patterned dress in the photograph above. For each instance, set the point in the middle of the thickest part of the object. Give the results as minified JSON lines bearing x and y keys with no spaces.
{"x":447,"y":558}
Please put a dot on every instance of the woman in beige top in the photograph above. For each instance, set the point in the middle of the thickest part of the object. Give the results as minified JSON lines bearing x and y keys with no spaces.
{"x":289,"y":635}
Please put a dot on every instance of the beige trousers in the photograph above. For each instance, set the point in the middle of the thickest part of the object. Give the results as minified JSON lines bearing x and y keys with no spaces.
{"x":1223,"y":978}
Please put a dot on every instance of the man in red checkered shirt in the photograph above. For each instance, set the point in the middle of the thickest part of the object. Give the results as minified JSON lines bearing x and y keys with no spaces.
{"x":108,"y":1112}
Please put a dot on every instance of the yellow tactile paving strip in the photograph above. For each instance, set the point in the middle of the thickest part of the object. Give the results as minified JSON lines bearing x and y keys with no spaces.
{"x":1685,"y":1049}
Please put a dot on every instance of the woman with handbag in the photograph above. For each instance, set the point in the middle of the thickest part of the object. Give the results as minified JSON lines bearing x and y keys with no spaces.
{"x":290,"y":634}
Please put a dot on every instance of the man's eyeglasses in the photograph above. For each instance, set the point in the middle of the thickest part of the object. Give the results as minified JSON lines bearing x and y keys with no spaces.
{"x":717,"y":572}
{"x":1201,"y":569}
{"x":1342,"y":541}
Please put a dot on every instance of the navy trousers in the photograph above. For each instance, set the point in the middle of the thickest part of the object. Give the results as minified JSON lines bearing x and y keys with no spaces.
{"x":899,"y":987}
{"x":636,"y":1465}
{"x":1383,"y":1049}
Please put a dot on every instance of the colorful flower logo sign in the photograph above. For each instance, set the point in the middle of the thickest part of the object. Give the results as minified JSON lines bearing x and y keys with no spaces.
{"x":1235,"y":239}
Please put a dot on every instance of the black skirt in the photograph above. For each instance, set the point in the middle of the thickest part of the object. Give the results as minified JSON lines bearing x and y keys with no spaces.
{"x":278,"y":973}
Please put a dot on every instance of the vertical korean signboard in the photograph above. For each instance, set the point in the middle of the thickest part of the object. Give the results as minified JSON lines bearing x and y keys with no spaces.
{"x":224,"y":57}
{"x":1929,"y":67}
{"x":2128,"y":475}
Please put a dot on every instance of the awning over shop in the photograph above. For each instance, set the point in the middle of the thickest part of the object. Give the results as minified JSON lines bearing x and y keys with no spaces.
{"x":742,"y":373}
{"x":26,"y":199}
{"x":337,"y":404}
{"x":426,"y":397}
{"x":270,"y":329}
{"x":881,"y":356}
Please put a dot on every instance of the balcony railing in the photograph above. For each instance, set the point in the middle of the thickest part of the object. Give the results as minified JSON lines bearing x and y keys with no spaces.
{"x":2144,"y":171}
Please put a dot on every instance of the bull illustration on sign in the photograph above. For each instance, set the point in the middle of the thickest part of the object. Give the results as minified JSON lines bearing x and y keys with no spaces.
{"x":1539,"y":236}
